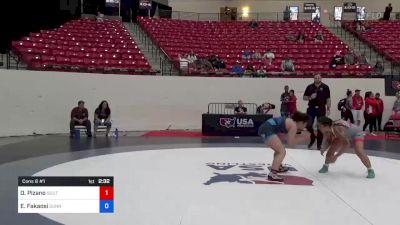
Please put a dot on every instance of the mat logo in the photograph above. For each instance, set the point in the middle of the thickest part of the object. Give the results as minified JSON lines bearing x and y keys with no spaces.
{"x":251,"y":173}
{"x":227,"y":122}
{"x":236,"y":122}
{"x":396,"y":85}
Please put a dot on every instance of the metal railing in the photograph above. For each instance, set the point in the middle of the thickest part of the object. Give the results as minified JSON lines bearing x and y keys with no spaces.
{"x":362,"y":47}
{"x":263,"y":16}
{"x":229,"y":108}
{"x":259,"y":16}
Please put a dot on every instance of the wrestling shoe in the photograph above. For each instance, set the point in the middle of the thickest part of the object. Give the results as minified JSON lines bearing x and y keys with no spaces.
{"x":324,"y":169}
{"x":283,"y":169}
{"x":371,"y":174}
{"x":274,"y":177}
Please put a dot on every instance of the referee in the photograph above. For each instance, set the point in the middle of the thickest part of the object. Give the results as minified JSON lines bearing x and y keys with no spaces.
{"x":318,"y":96}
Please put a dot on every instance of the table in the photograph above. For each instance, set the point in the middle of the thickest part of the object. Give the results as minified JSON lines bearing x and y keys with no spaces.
{"x":232,"y":125}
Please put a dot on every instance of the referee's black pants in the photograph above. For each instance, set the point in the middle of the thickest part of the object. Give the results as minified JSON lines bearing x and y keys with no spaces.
{"x":315,"y":113}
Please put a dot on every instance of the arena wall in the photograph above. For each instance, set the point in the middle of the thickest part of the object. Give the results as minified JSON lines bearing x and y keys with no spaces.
{"x":40,"y":102}
{"x":213,"y":6}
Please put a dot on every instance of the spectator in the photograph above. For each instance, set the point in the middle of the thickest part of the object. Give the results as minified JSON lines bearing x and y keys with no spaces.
{"x":360,"y":27}
{"x":257,"y":55}
{"x":192,"y":57}
{"x":287,"y":65}
{"x":240,"y":109}
{"x":301,"y":36}
{"x":319,"y":37}
{"x":99,"y":17}
{"x":316,"y":19}
{"x":237,"y":68}
{"x":346,"y":108}
{"x":380,"y":110}
{"x":349,"y":58}
{"x":318,"y":96}
{"x":337,"y":60}
{"x":253,"y":24}
{"x":362,"y":59}
{"x":292,"y":104}
{"x":388,"y":10}
{"x":261,"y":70}
{"x":286,"y":14}
{"x":396,"y":105}
{"x":358,"y":103}
{"x":265,"y":108}
{"x":269,"y":55}
{"x":370,"y":112}
{"x":291,"y":37}
{"x":102,"y":117}
{"x":285,"y":97}
{"x":249,"y":69}
{"x":183,"y":62}
{"x":379,"y":69}
{"x":246,"y":54}
{"x":367,"y":26}
{"x":218,"y":63}
{"x":80,"y":116}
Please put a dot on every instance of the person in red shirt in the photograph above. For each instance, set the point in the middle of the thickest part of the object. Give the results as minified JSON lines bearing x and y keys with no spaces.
{"x":358,"y":103}
{"x":80,"y":116}
{"x":292,"y":103}
{"x":379,"y":102}
{"x":370,"y":112}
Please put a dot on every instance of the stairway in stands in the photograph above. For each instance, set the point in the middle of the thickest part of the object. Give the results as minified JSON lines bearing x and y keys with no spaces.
{"x":156,"y":58}
{"x":360,"y":47}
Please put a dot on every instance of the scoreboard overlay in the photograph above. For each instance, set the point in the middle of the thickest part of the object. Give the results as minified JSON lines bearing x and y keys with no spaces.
{"x":65,"y":194}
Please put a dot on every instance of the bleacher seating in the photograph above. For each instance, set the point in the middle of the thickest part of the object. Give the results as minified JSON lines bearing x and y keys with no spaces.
{"x":85,"y":46}
{"x":229,"y":39}
{"x":383,"y":37}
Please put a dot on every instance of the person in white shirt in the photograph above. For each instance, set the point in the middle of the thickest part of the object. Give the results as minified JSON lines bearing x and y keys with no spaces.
{"x":100,"y":17}
{"x":269,"y":55}
{"x":183,"y":62}
{"x":192,"y":57}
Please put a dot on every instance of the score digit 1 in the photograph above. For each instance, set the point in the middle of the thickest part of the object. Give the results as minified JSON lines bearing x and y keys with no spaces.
{"x":106,"y":199}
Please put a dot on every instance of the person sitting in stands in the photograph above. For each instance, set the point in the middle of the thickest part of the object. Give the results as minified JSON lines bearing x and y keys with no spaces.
{"x":249,"y":70}
{"x":240,"y":109}
{"x":102,"y":117}
{"x":80,"y":116}
{"x":246,"y":54}
{"x":287,"y":65}
{"x":367,"y":26}
{"x":301,"y":36}
{"x":337,"y":60}
{"x":237,"y":68}
{"x":291,"y":37}
{"x":257,"y":55}
{"x":349,"y":58}
{"x":269,"y":55}
{"x":319,"y":37}
{"x":99,"y":17}
{"x":362,"y":59}
{"x":261,"y":70}
{"x":192,"y":57}
{"x":218,"y":63}
{"x":253,"y":24}
{"x":379,"y":69}
{"x":183,"y":62}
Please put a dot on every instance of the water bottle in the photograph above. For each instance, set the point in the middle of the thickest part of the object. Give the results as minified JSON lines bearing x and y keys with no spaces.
{"x":116,"y":133}
{"x":77,"y":134}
